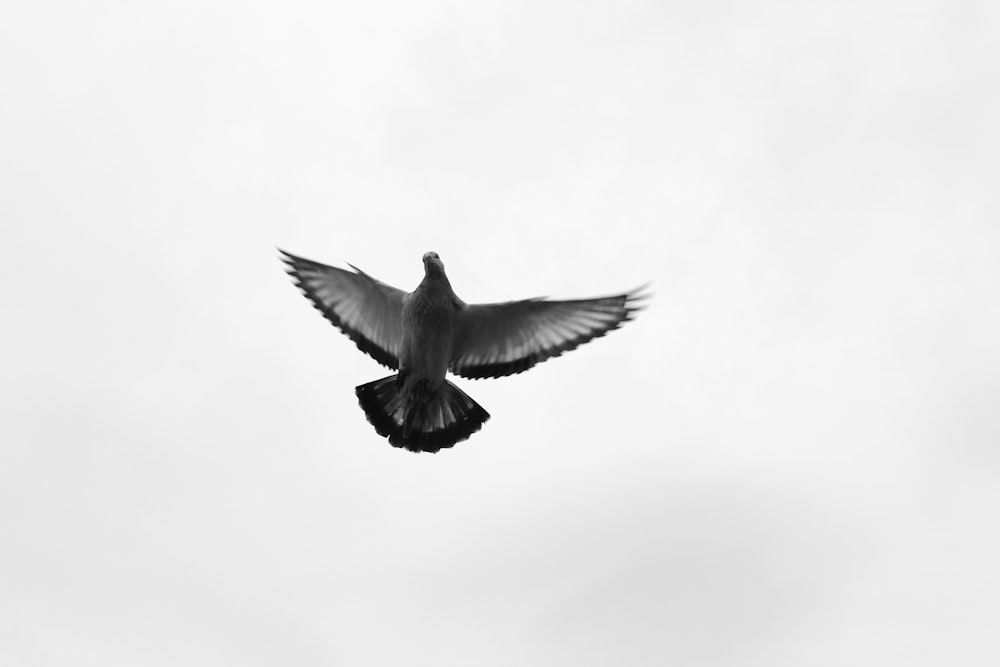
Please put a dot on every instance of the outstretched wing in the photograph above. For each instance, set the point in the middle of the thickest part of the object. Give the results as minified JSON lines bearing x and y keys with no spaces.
{"x":366,"y":310}
{"x":497,"y":339}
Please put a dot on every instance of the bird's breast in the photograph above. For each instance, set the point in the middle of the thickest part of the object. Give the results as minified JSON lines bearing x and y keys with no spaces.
{"x":428,"y":326}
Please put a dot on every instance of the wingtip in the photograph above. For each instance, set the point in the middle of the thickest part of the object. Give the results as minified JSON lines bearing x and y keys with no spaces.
{"x":639,"y":297}
{"x":287,"y":257}
{"x":289,"y":261}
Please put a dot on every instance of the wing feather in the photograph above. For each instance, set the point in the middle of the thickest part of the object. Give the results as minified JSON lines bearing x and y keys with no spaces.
{"x":497,"y":339}
{"x":366,"y":310}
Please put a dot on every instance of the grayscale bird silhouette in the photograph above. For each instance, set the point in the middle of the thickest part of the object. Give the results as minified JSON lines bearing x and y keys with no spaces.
{"x":430,"y":331}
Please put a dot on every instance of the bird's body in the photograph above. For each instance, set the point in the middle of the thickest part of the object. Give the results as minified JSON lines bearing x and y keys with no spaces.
{"x":430,"y":331}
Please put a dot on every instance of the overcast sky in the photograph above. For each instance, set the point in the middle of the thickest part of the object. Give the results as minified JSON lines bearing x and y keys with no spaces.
{"x":791,"y":458}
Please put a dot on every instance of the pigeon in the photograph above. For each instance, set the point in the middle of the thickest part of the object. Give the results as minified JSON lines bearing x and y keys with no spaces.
{"x":428,"y":332}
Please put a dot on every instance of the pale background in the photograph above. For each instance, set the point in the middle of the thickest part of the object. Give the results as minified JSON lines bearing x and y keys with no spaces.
{"x":791,"y":458}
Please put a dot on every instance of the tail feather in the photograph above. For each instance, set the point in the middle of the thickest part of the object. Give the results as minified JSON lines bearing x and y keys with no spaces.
{"x":420,"y":421}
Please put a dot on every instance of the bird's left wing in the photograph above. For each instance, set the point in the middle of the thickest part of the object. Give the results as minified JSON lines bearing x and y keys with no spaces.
{"x":497,"y":339}
{"x":366,"y":310}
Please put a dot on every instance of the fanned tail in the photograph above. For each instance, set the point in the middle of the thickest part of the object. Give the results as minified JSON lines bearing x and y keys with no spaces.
{"x":416,"y":419}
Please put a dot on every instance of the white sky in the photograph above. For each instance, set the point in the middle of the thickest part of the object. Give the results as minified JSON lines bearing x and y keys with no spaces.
{"x":789,"y":459}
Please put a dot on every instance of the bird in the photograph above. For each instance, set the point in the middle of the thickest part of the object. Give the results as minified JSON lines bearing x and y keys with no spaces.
{"x":429,"y":332}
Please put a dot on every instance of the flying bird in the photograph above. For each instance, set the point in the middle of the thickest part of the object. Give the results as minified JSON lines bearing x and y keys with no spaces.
{"x":428,"y":332}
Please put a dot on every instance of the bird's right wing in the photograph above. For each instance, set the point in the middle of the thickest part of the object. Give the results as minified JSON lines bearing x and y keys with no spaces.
{"x":366,"y":310}
{"x":497,"y":339}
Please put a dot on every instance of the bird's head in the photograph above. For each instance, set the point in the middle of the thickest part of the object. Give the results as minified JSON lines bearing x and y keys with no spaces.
{"x":433,"y":266}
